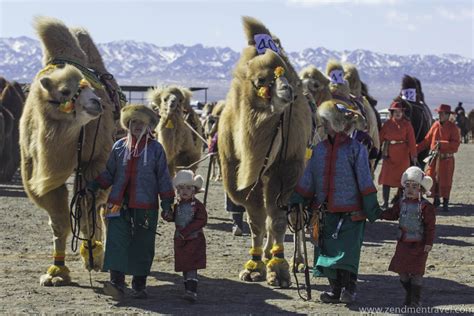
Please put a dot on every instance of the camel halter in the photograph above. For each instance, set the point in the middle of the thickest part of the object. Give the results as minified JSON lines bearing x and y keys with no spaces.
{"x":69,"y":106}
{"x":99,"y":81}
{"x":264,"y":91}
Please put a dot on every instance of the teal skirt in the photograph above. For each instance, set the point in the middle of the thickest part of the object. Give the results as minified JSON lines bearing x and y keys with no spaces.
{"x":341,"y":253}
{"x":130,"y":243}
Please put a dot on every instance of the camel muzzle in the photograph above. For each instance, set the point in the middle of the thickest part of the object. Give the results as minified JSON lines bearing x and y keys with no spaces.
{"x":94,"y":107}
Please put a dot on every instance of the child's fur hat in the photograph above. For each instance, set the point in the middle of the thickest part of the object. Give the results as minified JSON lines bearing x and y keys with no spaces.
{"x":187,"y":177}
{"x":138,"y":112}
{"x":415,"y":174}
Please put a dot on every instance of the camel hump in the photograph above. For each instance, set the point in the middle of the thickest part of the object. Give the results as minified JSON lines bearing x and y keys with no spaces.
{"x":252,"y":27}
{"x":58,"y":41}
{"x":90,"y":49}
{"x":351,"y":74}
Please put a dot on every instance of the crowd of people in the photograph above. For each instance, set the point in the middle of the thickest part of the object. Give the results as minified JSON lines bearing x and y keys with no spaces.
{"x":336,"y":183}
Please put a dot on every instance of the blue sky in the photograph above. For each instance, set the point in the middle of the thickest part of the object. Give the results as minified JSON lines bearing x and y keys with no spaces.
{"x":388,"y":26}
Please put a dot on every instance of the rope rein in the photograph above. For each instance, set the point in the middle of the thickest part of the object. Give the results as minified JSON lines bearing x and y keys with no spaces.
{"x":79,"y":200}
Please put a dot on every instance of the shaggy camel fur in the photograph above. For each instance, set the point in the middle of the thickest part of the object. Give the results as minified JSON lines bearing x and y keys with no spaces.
{"x":355,"y":84}
{"x":59,"y":104}
{"x":12,"y":106}
{"x":261,"y":96}
{"x":211,"y":123}
{"x":181,"y":148}
{"x":316,"y":90}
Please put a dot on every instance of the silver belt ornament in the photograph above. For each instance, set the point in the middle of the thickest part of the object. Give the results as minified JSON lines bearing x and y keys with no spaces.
{"x":338,"y":228}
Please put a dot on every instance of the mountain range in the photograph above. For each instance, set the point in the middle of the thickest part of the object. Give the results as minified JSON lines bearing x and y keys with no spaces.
{"x":141,"y":63}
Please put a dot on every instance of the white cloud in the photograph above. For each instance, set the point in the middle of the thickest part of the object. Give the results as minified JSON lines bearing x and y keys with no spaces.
{"x":401,"y":20}
{"x":456,"y":13}
{"x":309,"y":3}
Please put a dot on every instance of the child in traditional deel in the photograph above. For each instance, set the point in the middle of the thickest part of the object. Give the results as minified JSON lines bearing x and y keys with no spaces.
{"x":189,"y":216}
{"x":137,"y":170}
{"x":417,"y":219}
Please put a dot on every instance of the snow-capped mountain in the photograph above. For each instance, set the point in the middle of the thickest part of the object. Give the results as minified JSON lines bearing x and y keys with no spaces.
{"x":145,"y":63}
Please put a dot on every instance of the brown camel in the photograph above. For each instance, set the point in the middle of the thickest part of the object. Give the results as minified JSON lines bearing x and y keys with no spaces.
{"x":210,"y":130}
{"x":12,"y":102}
{"x":60,"y":103}
{"x":262,"y":137}
{"x":181,"y":146}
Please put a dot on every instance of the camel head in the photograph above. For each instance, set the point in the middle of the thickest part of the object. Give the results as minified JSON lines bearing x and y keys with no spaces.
{"x":168,"y":100}
{"x":272,"y":89}
{"x":315,"y":84}
{"x":69,"y":96}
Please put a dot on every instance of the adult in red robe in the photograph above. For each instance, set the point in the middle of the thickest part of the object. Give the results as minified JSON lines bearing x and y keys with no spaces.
{"x":398,"y":149}
{"x":443,"y":140}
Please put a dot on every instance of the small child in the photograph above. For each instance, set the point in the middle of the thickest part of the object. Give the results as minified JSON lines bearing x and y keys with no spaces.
{"x":137,"y":171}
{"x":190,"y":217}
{"x":416,"y":232}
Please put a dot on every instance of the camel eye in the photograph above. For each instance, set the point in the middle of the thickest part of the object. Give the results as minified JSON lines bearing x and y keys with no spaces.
{"x":65,"y":92}
{"x":261,"y":81}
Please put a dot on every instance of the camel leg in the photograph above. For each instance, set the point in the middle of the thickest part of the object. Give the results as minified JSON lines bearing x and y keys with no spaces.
{"x":278,"y":273}
{"x":92,"y":228}
{"x":93,"y":225}
{"x":267,"y":250}
{"x":56,"y":204}
{"x":297,"y":261}
{"x":254,"y":269}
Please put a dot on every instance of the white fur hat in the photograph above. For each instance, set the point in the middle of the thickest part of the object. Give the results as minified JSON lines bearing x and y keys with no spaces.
{"x":417,"y":175}
{"x":187,"y":177}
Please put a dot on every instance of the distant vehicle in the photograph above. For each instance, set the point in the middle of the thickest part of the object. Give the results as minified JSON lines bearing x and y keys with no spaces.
{"x":197,"y":107}
{"x":384,"y":115}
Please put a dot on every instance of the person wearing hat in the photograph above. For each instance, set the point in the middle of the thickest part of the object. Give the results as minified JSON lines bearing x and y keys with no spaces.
{"x":337,"y":181}
{"x":398,"y":149}
{"x":189,"y":216}
{"x":137,"y":171}
{"x":417,"y":220}
{"x":443,"y":140}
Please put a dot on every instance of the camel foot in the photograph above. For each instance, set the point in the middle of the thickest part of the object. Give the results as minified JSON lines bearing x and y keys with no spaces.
{"x":254,"y":271}
{"x":97,"y":255}
{"x":278,"y":273}
{"x":56,"y":276}
{"x":299,"y":267}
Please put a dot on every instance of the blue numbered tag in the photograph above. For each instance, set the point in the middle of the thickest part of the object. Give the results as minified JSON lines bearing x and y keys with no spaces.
{"x":264,"y":41}
{"x":337,"y":76}
{"x":409,"y":94}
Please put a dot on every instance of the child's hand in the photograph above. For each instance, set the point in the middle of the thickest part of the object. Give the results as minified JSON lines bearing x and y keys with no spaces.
{"x":167,"y":215}
{"x":428,"y":248}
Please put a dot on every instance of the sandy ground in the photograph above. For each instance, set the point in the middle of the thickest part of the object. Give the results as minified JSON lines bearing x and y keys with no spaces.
{"x":26,"y":246}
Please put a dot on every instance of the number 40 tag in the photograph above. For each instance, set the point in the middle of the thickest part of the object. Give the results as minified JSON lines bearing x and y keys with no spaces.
{"x":264,"y":41}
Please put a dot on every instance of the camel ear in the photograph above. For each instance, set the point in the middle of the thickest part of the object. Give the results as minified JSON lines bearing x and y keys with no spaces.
{"x":46,"y":83}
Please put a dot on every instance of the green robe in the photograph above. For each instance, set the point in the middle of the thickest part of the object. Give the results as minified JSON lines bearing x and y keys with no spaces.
{"x":131,"y":249}
{"x":343,"y":252}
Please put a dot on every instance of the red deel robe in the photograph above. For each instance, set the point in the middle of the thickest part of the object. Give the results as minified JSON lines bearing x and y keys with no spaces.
{"x":399,"y":155}
{"x":190,"y":250}
{"x":410,"y":257}
{"x":449,"y":137}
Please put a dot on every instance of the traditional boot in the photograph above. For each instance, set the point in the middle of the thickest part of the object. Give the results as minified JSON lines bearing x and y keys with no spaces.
{"x":191,"y":290}
{"x":349,"y":293}
{"x":436,"y":201}
{"x":116,"y":286}
{"x":445,"y":204}
{"x":237,"y":224}
{"x":335,"y":294}
{"x":407,"y":286}
{"x":139,"y":287}
{"x":415,"y":295}
{"x":385,"y":195}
